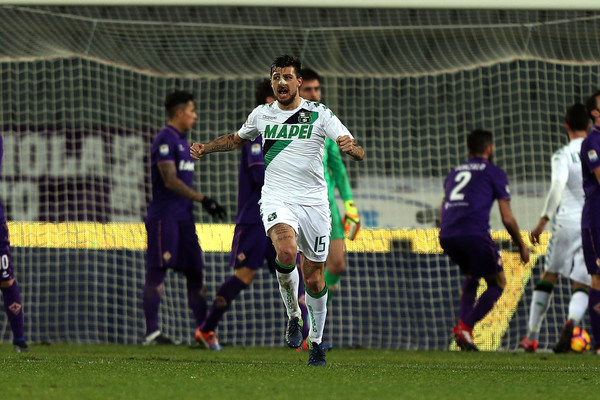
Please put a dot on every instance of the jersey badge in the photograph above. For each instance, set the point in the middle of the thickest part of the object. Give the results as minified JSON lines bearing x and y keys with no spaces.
{"x":272,"y":217}
{"x":255,"y":149}
{"x":304,"y":117}
{"x":163,"y":149}
{"x":15,"y":308}
{"x":592,"y":155}
{"x":181,"y":148}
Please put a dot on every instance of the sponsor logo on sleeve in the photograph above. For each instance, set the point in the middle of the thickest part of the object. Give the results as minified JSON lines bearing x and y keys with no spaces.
{"x":592,"y":155}
{"x":163,"y":149}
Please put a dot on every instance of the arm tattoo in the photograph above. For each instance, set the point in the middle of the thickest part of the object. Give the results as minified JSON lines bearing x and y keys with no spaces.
{"x":168,"y":172}
{"x":224,"y":143}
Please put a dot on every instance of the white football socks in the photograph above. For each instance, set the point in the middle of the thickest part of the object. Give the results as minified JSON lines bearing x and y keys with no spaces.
{"x":540,"y":302}
{"x":317,"y":313}
{"x":288,"y":287}
{"x":578,"y":306}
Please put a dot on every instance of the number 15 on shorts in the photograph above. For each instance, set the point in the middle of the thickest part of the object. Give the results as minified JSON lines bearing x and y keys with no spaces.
{"x":320,"y":244}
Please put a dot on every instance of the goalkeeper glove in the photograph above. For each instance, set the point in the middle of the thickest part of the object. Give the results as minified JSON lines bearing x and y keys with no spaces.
{"x":351,"y":220}
{"x":213,"y":208}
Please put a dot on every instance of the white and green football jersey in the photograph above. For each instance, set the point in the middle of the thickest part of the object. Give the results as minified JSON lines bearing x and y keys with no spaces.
{"x":293,"y":145}
{"x":566,"y":197}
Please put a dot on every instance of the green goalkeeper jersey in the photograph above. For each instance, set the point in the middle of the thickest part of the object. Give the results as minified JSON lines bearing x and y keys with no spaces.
{"x":335,"y":172}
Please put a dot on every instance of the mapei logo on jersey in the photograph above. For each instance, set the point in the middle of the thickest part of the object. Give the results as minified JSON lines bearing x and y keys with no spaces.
{"x":163,"y":149}
{"x":288,"y":131}
{"x":186,"y":165}
{"x":272,"y":217}
{"x":255,"y":149}
{"x":592,"y":155}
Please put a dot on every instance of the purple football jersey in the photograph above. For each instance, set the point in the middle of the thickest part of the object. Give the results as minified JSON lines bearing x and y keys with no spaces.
{"x":470,"y":190}
{"x":250,"y":182}
{"x":170,"y":145}
{"x":590,"y":160}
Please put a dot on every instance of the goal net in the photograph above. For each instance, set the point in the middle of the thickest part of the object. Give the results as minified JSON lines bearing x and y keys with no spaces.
{"x":82,"y":91}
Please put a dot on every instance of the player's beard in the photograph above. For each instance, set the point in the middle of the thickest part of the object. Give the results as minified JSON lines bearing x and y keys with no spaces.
{"x":291,"y":97}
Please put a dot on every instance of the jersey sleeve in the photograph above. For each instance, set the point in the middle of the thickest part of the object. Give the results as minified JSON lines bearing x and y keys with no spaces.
{"x":163,"y":149}
{"x":590,"y":155}
{"x":249,"y":130}
{"x":500,"y":185}
{"x":256,"y":161}
{"x":560,"y":176}
{"x":337,"y":170}
{"x":333,"y":126}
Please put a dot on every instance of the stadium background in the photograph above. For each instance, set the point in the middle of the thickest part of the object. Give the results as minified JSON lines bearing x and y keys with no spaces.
{"x":82,"y":89}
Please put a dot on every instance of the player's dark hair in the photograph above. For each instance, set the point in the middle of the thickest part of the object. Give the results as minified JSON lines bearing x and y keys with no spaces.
{"x":577,"y":117}
{"x":263,"y":90}
{"x":310,"y":75}
{"x":478,"y":140}
{"x":177,"y":100}
{"x":591,"y":104}
{"x":287,"y":61}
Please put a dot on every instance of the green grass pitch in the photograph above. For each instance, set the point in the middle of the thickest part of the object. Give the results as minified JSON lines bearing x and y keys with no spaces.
{"x":63,"y":371}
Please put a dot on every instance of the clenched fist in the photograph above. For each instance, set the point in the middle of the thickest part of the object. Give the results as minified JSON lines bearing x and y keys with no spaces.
{"x":197,"y":151}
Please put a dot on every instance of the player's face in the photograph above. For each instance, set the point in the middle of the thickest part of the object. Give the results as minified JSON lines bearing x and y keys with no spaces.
{"x":188,"y":116}
{"x":311,"y":90}
{"x":596,"y":114}
{"x":285,"y":85}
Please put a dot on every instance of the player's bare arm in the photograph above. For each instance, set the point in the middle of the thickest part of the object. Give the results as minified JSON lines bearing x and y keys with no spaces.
{"x":597,"y":174}
{"x":349,"y":146}
{"x":512,"y":227}
{"x":537,"y":231}
{"x":168,"y":173}
{"x":220,"y":144}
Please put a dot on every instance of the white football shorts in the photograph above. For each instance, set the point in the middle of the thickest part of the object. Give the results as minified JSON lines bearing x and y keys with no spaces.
{"x":564,"y":254}
{"x":312,"y":225}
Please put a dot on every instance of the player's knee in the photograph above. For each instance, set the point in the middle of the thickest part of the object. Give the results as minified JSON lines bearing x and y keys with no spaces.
{"x":246,"y":275}
{"x":221,"y":302}
{"x":314,"y":283}
{"x":151,"y":290}
{"x":286,"y":256}
{"x":498,"y":280}
{"x":7,"y":284}
{"x":337,"y":267}
{"x":551,"y":277}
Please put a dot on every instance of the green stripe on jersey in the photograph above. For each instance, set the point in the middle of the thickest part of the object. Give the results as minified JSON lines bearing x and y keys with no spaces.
{"x":274,"y":150}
